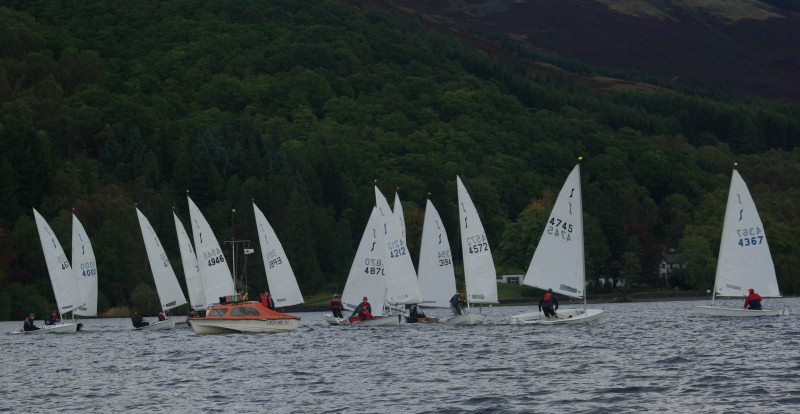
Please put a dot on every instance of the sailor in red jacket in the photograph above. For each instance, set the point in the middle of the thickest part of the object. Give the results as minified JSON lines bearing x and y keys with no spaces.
{"x":753,"y":301}
{"x":266,"y":300}
{"x":336,"y":306}
{"x":363,"y":310}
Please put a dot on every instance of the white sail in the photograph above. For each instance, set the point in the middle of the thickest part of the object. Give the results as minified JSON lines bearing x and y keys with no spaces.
{"x":366,"y":277}
{"x":744,"y":258}
{"x":68,"y":297}
{"x":191,"y":269}
{"x":437,"y":279}
{"x":402,"y":286}
{"x":169,"y":290}
{"x":84,"y":268}
{"x":280,"y":277}
{"x":479,"y":272}
{"x":217,"y":279}
{"x":558,"y":262}
{"x":398,"y":213}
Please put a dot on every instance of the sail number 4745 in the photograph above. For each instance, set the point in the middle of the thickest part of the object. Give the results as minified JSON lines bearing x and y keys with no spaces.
{"x":558,"y":227}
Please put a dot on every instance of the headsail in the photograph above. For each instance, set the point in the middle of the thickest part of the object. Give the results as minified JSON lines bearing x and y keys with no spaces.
{"x":84,"y":267}
{"x":480,"y":275}
{"x":280,"y":277}
{"x":169,"y":290}
{"x":558,"y":262}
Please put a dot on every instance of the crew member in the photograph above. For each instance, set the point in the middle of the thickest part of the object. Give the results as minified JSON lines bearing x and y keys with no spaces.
{"x":52,"y":319}
{"x":547,"y":302}
{"x":336,"y":306}
{"x":161,"y":316}
{"x":28,"y":324}
{"x":753,"y":300}
{"x":138,"y":321}
{"x":415,"y":312}
{"x":458,"y":302}
{"x":363,"y":310}
{"x":266,"y":300}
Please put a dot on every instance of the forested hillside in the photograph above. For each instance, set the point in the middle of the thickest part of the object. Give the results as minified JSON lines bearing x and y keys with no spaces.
{"x":301,"y":107}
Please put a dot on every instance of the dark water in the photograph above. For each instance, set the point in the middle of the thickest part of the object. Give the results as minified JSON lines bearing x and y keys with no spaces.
{"x":652,"y":357}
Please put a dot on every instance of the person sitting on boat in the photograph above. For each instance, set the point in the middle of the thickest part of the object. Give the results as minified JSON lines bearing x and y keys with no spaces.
{"x":52,"y":319}
{"x":415,"y":312}
{"x":267,"y":301}
{"x":161,"y":316}
{"x":28,"y":324}
{"x":547,"y":302}
{"x":363,"y":310}
{"x":138,"y":321}
{"x":753,"y":300}
{"x":457,"y":303}
{"x":336,"y":306}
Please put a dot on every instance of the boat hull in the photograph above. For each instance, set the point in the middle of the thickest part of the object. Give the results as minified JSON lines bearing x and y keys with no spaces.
{"x":467,"y":319}
{"x":59,"y":328}
{"x":392,"y":320}
{"x":712,"y":311}
{"x":223,"y":326}
{"x":158,"y":326}
{"x":564,"y":316}
{"x":333,"y":320}
{"x":409,"y":319}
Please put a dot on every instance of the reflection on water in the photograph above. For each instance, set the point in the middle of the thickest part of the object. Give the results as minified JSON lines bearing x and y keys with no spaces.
{"x":640,"y":357}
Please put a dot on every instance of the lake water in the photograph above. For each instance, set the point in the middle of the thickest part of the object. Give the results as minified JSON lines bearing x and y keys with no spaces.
{"x":651,"y":356}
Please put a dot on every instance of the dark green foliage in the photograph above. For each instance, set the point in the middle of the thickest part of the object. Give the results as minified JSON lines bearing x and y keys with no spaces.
{"x":303,"y":106}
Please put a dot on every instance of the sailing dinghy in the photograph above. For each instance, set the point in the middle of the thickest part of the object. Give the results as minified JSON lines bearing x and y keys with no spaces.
{"x":169,"y":290}
{"x":437,"y":279}
{"x":558,"y":262}
{"x":65,"y":287}
{"x":366,"y":277}
{"x":480,"y":276}
{"x":744,"y":258}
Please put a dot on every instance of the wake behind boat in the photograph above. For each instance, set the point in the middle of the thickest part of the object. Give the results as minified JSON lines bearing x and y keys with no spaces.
{"x":744,"y":258}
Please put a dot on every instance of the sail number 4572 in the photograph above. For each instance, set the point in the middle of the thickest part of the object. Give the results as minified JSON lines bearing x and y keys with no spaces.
{"x":751,"y":236}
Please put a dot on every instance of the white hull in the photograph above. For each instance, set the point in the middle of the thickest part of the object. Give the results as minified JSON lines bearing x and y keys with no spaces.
{"x":60,"y":328}
{"x":564,"y":316}
{"x":332,"y":320}
{"x":467,"y":319}
{"x":204,"y":326}
{"x":384,"y":321}
{"x":158,"y":326}
{"x":707,"y":311}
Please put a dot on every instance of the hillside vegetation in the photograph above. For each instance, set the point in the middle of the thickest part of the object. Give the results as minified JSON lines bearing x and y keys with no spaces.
{"x":301,"y":107}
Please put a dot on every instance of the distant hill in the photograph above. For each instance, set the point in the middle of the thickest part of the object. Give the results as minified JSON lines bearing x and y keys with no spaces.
{"x":736,"y":47}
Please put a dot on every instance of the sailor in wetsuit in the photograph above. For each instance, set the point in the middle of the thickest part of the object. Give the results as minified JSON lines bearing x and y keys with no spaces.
{"x":547,"y":302}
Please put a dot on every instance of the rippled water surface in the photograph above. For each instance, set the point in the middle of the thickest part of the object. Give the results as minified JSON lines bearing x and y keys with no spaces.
{"x":652,"y":357}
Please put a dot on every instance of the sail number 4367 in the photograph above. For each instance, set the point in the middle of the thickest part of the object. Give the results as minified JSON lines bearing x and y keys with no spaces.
{"x":751,"y":236}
